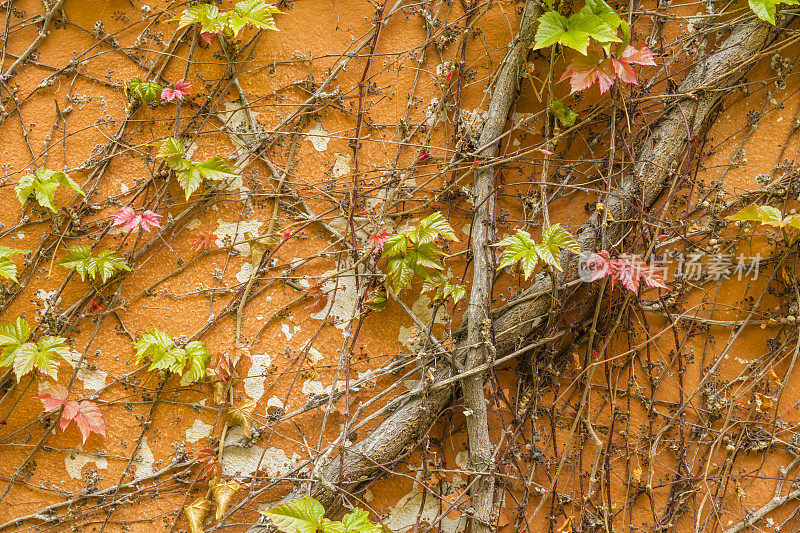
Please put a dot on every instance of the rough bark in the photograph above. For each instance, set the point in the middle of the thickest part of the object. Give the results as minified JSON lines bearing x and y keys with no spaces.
{"x":481,"y":450}
{"x":669,"y":137}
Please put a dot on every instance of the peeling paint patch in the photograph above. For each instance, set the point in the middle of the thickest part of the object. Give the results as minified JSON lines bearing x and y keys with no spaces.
{"x":342,"y":299}
{"x":403,"y":517}
{"x":247,"y":460}
{"x":275,"y":403}
{"x":341,"y":165}
{"x":144,"y":460}
{"x":77,"y":459}
{"x":199,"y":430}
{"x":319,"y":137}
{"x":315,"y":387}
{"x":314,"y":355}
{"x":92,"y":379}
{"x":245,"y":273}
{"x":254,"y":382}
{"x":123,"y":187}
{"x":235,"y":231}
{"x":289,"y":332}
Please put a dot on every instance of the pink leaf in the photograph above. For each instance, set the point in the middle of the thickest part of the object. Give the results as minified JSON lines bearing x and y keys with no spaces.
{"x":90,"y":420}
{"x":127,"y":216}
{"x":53,"y":397}
{"x":379,"y":238}
{"x":584,"y":71}
{"x":181,"y":89}
{"x":207,"y":36}
{"x":628,"y":271}
{"x":286,"y":235}
{"x":70,"y":411}
{"x":642,"y":56}
{"x":149,"y":220}
{"x":424,"y":155}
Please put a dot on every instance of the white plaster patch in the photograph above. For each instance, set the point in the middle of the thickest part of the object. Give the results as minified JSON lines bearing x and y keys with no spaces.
{"x":199,"y":430}
{"x":50,"y":300}
{"x":314,"y":355}
{"x":342,"y":303}
{"x":318,"y":137}
{"x":257,"y":375}
{"x":289,"y":332}
{"x":403,"y":517}
{"x":315,"y":387}
{"x":92,"y":379}
{"x":235,"y":232}
{"x":341,"y":165}
{"x":245,"y":273}
{"x":275,"y":403}
{"x":246,"y":461}
{"x":77,"y":459}
{"x":144,"y":460}
{"x":123,"y":187}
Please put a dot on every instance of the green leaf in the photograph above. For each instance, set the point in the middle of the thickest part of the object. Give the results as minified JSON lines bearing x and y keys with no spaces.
{"x":764,"y":9}
{"x":43,"y":184}
{"x":431,"y":227}
{"x":154,"y":343}
{"x":146,"y":92}
{"x":78,"y":260}
{"x":190,"y":180}
{"x":7,"y":267}
{"x":553,"y":239}
{"x":552,"y":26}
{"x":173,"y":153}
{"x":216,"y":169}
{"x":357,"y":521}
{"x":12,"y":336}
{"x":255,"y":12}
{"x":106,"y":264}
{"x":299,"y":516}
{"x":566,"y":116}
{"x":207,"y":15}
{"x":574,"y":32}
{"x":749,"y":213}
{"x":602,"y":10}
{"x":519,"y":248}
{"x":43,"y":356}
{"x":198,"y":358}
{"x":399,"y":273}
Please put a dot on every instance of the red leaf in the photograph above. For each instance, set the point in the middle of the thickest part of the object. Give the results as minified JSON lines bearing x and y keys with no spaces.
{"x":207,"y":36}
{"x":71,"y":409}
{"x":207,"y":458}
{"x":318,"y":299}
{"x":628,"y":271}
{"x":202,"y":241}
{"x":424,"y":155}
{"x":584,"y":71}
{"x":53,"y":397}
{"x":127,"y":216}
{"x":379,"y":238}
{"x":89,"y":420}
{"x":225,"y":363}
{"x":181,"y":89}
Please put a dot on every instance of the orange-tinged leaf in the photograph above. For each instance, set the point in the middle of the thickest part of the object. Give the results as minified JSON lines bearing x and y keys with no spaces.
{"x":211,"y":467}
{"x":86,"y":415}
{"x":223,"y":492}
{"x":53,"y":397}
{"x":196,"y":513}
{"x":239,"y":415}
{"x":318,"y":299}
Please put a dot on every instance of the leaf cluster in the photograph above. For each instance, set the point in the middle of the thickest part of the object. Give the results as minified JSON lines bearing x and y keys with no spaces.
{"x":192,"y":174}
{"x":307,"y":515}
{"x":104,"y":265}
{"x":229,"y":23}
{"x":415,"y":251}
{"x":23,"y":356}
{"x":521,"y":248}
{"x":189,"y":362}
{"x":42,"y":184}
{"x":146,"y":92}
